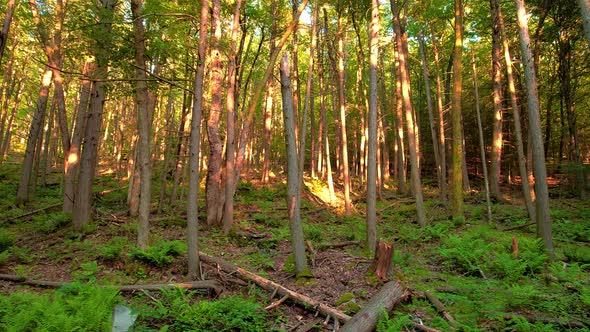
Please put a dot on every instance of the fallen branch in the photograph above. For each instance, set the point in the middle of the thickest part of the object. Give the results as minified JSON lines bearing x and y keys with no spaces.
{"x":204,"y":284}
{"x":271,"y":286}
{"x":276,"y":303}
{"x":396,"y":203}
{"x":366,"y":319}
{"x":441,"y":308}
{"x":517,"y":227}
{"x":30,"y":213}
{"x":338,"y":245}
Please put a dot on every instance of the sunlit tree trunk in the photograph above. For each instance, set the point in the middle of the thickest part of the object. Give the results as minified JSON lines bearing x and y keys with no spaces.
{"x":10,"y":7}
{"x":457,"y":181}
{"x":430,"y":108}
{"x":228,"y":212}
{"x":373,"y":104}
{"x":442,"y":147}
{"x":297,"y":239}
{"x":408,"y":108}
{"x":482,"y":146}
{"x":214,"y":192}
{"x":194,"y":266}
{"x":400,"y":153}
{"x":324,"y":121}
{"x":497,"y":134}
{"x":5,"y":143}
{"x":268,"y":106}
{"x":517,"y":123}
{"x":539,"y":168}
{"x":88,"y":160}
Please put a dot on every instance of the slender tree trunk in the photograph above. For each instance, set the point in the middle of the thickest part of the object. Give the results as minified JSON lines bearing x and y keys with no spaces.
{"x":228,"y":213}
{"x":194,"y":266}
{"x":342,"y":111}
{"x":324,"y":122}
{"x":373,"y":104}
{"x":88,"y":160}
{"x":214,"y":193}
{"x":430,"y":108}
{"x":585,"y":11}
{"x":167,"y":150}
{"x":293,"y":183}
{"x":482,"y":146}
{"x":497,"y":136}
{"x":399,"y":126}
{"x":526,"y":190}
{"x":457,"y":182}
{"x":408,"y":108}
{"x":539,"y":168}
{"x":5,"y":143}
{"x":22,"y":195}
{"x":268,"y":106}
{"x":442,"y":147}
{"x":10,"y":7}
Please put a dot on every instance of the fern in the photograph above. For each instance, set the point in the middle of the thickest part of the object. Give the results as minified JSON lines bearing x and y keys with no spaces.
{"x":159,"y":255}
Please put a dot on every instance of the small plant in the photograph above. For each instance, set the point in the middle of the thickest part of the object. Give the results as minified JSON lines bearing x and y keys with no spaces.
{"x":159,"y":255}
{"x":313,"y":232}
{"x":6,"y":240}
{"x":51,"y":222}
{"x":87,"y":271}
{"x":399,"y":323}
{"x":112,"y":251}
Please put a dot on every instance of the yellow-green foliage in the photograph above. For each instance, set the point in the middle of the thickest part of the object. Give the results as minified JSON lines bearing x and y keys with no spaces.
{"x":159,"y":255}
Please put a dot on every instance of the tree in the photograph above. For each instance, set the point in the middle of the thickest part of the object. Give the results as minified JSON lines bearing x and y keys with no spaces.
{"x":372,"y":160}
{"x":10,"y":7}
{"x":457,"y":181}
{"x":585,"y":11}
{"x":293,"y":183}
{"x":143,"y":124}
{"x":539,"y":168}
{"x":192,"y":213}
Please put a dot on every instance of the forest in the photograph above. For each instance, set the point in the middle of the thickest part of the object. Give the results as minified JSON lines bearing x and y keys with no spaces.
{"x":295,"y":165}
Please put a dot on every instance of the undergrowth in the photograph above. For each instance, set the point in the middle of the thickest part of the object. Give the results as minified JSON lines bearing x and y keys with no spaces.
{"x":159,"y":255}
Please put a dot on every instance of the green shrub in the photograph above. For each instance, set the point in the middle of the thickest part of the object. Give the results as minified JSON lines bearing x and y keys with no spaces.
{"x":72,"y":308}
{"x":159,"y":255}
{"x":112,"y":251}
{"x":6,"y":239}
{"x":313,"y":232}
{"x":398,"y":323}
{"x":232,"y":313}
{"x":49,"y":223}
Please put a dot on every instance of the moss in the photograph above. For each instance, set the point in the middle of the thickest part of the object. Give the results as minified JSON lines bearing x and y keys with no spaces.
{"x":345,"y":298}
{"x":351,"y":307}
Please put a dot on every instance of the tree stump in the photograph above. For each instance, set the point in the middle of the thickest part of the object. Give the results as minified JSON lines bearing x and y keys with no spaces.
{"x":383,"y":261}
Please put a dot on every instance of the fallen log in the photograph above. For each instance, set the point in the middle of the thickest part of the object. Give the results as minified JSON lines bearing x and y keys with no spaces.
{"x":338,"y":245}
{"x":203,"y":284}
{"x":441,"y":308}
{"x":366,"y":319}
{"x":30,"y":213}
{"x":271,"y":286}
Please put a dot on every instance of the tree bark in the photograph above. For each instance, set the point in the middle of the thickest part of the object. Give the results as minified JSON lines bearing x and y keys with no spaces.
{"x":143,"y":124}
{"x":214,"y":194}
{"x":297,"y":240}
{"x":400,"y":153}
{"x":194,"y":266}
{"x":373,"y":104}
{"x":442,"y":147}
{"x":408,"y":108}
{"x":89,"y":157}
{"x":10,"y":7}
{"x":457,"y":182}
{"x":539,"y":168}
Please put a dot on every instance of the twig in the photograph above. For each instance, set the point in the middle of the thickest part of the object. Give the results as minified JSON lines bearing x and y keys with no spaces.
{"x":277,"y":303}
{"x":338,"y":244}
{"x":32,"y":212}
{"x":441,"y":308}
{"x":517,"y":227}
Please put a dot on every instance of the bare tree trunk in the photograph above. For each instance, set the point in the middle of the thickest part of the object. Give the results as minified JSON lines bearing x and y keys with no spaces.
{"x":89,"y":158}
{"x":194,"y":266}
{"x":442,"y":147}
{"x":585,"y":11}
{"x":399,"y":127}
{"x":22,"y":195}
{"x":457,"y":182}
{"x":214,"y":194}
{"x":430,"y":107}
{"x":228,"y":213}
{"x":408,"y":108}
{"x":373,"y":104}
{"x":482,"y":146}
{"x":497,"y":139}
{"x":324,"y":121}
{"x":293,"y":184}
{"x":143,"y":124}
{"x":539,"y":168}
{"x":10,"y":7}
{"x":268,"y":106}
{"x":167,"y":150}
{"x":5,"y":143}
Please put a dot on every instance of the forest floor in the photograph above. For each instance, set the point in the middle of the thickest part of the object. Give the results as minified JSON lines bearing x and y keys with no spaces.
{"x":470,"y":265}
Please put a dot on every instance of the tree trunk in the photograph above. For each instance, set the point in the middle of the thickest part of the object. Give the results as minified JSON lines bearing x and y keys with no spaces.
{"x":585,"y":11}
{"x":298,"y":243}
{"x":228,"y":213}
{"x":526,"y":190}
{"x":89,"y":157}
{"x":482,"y":146}
{"x":268,"y":106}
{"x":10,"y":6}
{"x":399,"y":127}
{"x":22,"y":195}
{"x":5,"y":143}
{"x":441,"y":123}
{"x":408,"y":108}
{"x":373,"y":104}
{"x":194,"y":266}
{"x":214,"y":194}
{"x":324,"y":122}
{"x":539,"y":168}
{"x":497,"y":137}
{"x":143,"y":124}
{"x":457,"y":182}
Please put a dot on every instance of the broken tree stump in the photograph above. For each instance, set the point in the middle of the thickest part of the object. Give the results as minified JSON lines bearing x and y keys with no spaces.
{"x":382,"y":263}
{"x":366,"y":319}
{"x":271,"y":286}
